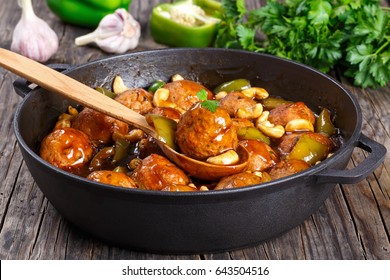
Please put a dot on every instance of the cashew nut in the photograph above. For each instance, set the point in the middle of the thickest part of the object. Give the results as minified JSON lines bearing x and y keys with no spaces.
{"x":160,"y":98}
{"x":220,"y":95}
{"x":177,"y":77}
{"x":250,"y":113}
{"x":201,"y":188}
{"x":118,"y":86}
{"x":226,"y":158}
{"x":271,"y":130}
{"x":65,"y":119}
{"x":263,"y":117}
{"x":72,"y":111}
{"x":299,"y":125}
{"x":257,"y":92}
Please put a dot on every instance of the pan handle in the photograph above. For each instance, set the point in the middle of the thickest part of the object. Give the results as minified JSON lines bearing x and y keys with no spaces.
{"x":375,"y":157}
{"x":23,"y":87}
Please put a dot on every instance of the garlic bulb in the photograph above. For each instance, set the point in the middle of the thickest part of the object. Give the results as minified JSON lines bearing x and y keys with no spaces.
{"x":116,"y":33}
{"x":33,"y":37}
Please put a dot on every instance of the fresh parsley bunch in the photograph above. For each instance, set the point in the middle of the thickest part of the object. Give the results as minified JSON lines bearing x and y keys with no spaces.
{"x":352,"y":34}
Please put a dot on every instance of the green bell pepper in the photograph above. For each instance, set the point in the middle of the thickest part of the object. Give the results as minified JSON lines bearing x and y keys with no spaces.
{"x":324,"y":123}
{"x":309,"y":150}
{"x":86,"y":13}
{"x":181,"y":24}
{"x":252,"y":133}
{"x":165,"y":128}
{"x":234,"y":85}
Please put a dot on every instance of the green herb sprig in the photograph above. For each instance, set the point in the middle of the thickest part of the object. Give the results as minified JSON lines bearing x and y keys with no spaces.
{"x":210,"y":105}
{"x":351,"y":34}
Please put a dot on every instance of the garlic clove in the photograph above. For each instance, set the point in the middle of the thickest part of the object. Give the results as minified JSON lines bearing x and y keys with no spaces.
{"x":116,"y":33}
{"x":32,"y":36}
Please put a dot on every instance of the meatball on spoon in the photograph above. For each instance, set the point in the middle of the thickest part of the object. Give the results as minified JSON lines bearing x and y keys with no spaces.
{"x":56,"y":82}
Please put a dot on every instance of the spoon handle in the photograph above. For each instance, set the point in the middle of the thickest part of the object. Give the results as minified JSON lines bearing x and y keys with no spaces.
{"x":57,"y":82}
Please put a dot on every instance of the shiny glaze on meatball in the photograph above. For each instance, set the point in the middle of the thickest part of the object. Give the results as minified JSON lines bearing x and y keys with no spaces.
{"x":184,"y":93}
{"x":156,"y":172}
{"x":201,"y":133}
{"x":112,"y":178}
{"x":68,"y":149}
{"x":98,"y":126}
{"x":281,"y":115}
{"x":137,"y":99}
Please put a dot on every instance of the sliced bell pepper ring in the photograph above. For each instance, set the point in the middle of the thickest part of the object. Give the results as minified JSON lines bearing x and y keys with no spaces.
{"x":180,"y":25}
{"x":86,"y":13}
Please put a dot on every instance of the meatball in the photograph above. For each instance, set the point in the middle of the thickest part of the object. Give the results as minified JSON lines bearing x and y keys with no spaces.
{"x":112,"y":178}
{"x":156,"y":173}
{"x":234,"y":101}
{"x":98,"y":126}
{"x":201,"y":133}
{"x":68,"y":149}
{"x":281,"y":115}
{"x":179,"y":188}
{"x":287,"y":167}
{"x":184,"y":93}
{"x":287,"y":143}
{"x":261,"y":156}
{"x":240,"y":180}
{"x":239,"y":123}
{"x":137,"y":99}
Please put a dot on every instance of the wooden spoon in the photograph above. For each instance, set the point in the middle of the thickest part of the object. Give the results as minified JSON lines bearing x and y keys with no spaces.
{"x":57,"y":82}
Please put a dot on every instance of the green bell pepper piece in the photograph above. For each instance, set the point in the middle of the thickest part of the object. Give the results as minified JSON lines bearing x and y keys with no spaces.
{"x":156,"y":85}
{"x":249,"y":133}
{"x":121,"y":150}
{"x":166,"y":29}
{"x":234,"y":85}
{"x":165,"y":128}
{"x":86,"y":13}
{"x":309,"y":150}
{"x":324,"y":123}
{"x":272,"y":102}
{"x":211,"y":7}
{"x":106,"y":92}
{"x":106,"y":4}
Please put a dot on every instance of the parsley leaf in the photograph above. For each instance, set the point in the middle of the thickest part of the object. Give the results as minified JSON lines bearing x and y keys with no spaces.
{"x":210,"y":105}
{"x":325,"y":34}
{"x":202,"y":94}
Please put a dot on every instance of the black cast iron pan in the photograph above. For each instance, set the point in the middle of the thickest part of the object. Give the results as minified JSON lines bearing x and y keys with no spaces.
{"x":195,"y":222}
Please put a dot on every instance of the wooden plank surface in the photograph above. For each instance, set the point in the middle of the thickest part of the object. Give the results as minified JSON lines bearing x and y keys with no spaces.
{"x":353,"y":223}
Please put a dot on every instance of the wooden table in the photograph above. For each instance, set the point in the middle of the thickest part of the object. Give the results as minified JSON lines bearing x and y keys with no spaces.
{"x":353,"y":223}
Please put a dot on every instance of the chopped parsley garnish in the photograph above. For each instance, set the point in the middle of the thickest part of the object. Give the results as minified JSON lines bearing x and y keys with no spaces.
{"x":210,"y":105}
